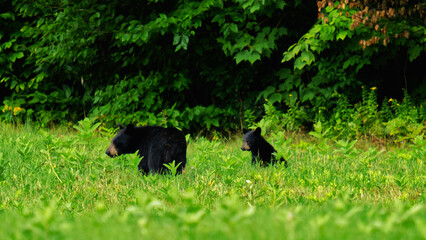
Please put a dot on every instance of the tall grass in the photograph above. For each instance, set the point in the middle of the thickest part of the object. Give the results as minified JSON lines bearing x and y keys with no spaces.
{"x":58,"y":183}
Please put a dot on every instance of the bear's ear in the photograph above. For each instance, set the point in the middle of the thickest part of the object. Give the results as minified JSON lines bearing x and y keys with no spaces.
{"x":130,"y":127}
{"x":120,"y":126}
{"x":258,"y":131}
{"x":245,"y":130}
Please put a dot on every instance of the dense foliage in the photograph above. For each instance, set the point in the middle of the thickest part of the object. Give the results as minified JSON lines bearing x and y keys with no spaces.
{"x":203,"y":65}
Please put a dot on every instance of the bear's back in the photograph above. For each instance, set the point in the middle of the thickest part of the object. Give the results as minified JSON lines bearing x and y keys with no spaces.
{"x":160,"y":135}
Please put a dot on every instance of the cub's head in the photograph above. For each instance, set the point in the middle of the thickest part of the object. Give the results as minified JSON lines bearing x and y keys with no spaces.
{"x":251,"y":139}
{"x":123,"y":142}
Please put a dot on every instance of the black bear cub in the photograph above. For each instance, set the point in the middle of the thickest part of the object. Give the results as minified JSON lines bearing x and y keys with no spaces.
{"x":157,"y":146}
{"x":261,"y":150}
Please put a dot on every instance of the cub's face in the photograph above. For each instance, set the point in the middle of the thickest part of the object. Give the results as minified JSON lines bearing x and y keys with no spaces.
{"x":250,"y":139}
{"x":121,"y":143}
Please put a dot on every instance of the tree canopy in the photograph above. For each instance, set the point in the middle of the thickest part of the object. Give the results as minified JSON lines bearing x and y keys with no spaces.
{"x":203,"y":64}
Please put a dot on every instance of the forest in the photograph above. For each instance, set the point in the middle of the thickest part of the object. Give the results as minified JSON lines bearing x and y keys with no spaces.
{"x":353,"y":66}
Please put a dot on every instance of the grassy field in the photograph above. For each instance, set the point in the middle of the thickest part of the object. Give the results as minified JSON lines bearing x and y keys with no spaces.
{"x":59,"y":184}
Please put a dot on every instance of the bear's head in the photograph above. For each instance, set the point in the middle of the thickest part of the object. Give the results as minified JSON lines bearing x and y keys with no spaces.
{"x":123,"y":142}
{"x":251,"y":139}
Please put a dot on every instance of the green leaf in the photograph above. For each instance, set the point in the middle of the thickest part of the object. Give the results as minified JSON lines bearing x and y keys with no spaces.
{"x":247,"y":3}
{"x":94,"y":16}
{"x":254,"y":57}
{"x":7,"y":44}
{"x":125,"y":37}
{"x":307,"y":94}
{"x":7,"y":15}
{"x":233,"y":27}
{"x":13,"y":84}
{"x":292,"y":51}
{"x":215,"y":122}
{"x":351,"y":61}
{"x":266,"y":93}
{"x":176,"y":39}
{"x":144,"y":36}
{"x":414,"y":52}
{"x":327,"y":32}
{"x":280,"y":4}
{"x":184,"y":42}
{"x":219,"y":18}
{"x":15,"y":55}
{"x":341,"y":35}
{"x":241,"y":56}
{"x":275,"y":97}
{"x":307,"y":57}
{"x":19,"y":54}
{"x":284,"y":73}
{"x":256,"y":6}
{"x":299,"y":64}
{"x":247,"y":56}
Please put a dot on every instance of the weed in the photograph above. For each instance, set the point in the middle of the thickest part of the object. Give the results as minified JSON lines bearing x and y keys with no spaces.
{"x":86,"y":128}
{"x":172,"y":167}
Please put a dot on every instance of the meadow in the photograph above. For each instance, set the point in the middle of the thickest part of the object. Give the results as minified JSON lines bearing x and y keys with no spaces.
{"x":58,"y":183}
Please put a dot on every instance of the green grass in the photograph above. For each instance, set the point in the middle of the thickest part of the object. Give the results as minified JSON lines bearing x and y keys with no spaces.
{"x":59,"y":184}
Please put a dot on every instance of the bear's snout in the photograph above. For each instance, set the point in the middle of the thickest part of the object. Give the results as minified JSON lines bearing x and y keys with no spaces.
{"x":111,"y":151}
{"x":245,"y":147}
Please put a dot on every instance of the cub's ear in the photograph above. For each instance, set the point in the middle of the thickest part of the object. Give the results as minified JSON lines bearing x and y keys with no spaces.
{"x":245,"y":130}
{"x":120,"y":126}
{"x":258,"y":131}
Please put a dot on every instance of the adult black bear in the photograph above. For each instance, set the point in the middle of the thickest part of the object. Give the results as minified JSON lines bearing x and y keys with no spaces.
{"x":157,"y":146}
{"x":261,"y":150}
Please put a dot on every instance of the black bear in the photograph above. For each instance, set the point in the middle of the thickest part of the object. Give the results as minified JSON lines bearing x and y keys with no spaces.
{"x":261,"y":150}
{"x":157,"y":146}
